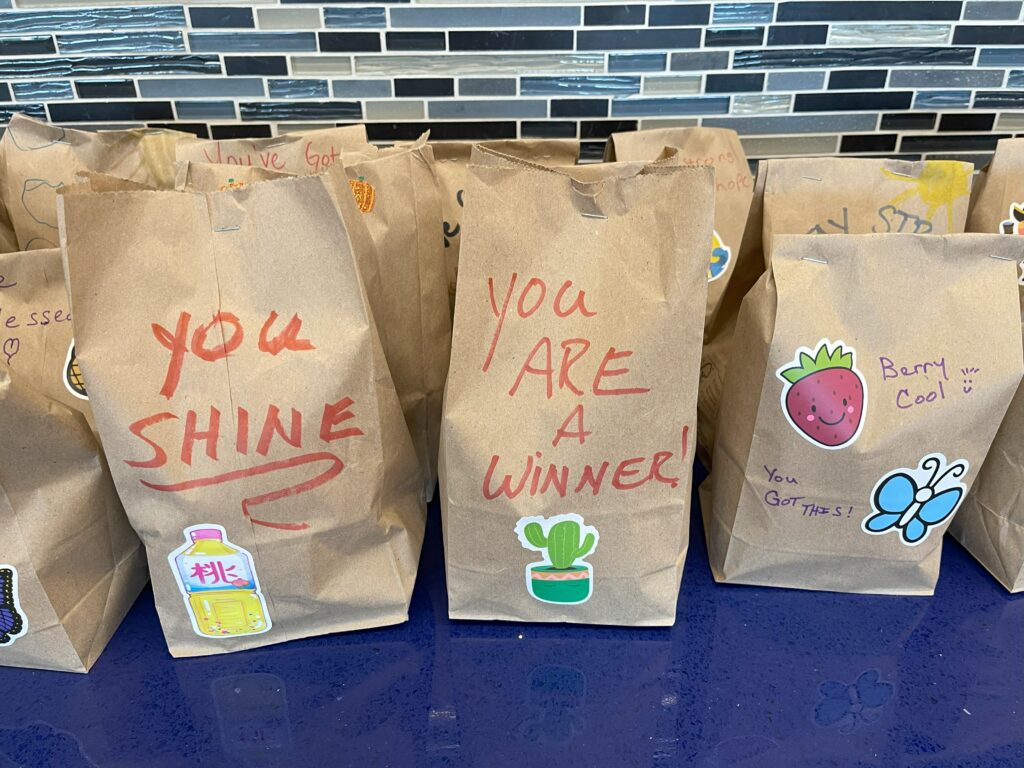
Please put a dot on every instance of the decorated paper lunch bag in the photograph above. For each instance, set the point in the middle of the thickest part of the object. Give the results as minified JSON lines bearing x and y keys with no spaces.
{"x":991,"y":523}
{"x":567,"y":443}
{"x":70,"y":564}
{"x":826,"y":196}
{"x":253,"y":429}
{"x":856,"y":415}
{"x":298,"y":152}
{"x":452,"y":160}
{"x":38,"y":159}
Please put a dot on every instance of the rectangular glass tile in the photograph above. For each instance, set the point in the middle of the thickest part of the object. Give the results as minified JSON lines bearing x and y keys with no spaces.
{"x":796,"y":81}
{"x":65,"y":20}
{"x":394,"y":110}
{"x":205,"y":110}
{"x":109,"y":65}
{"x":633,"y":39}
{"x":220,"y":17}
{"x":355,"y":17}
{"x":787,"y":146}
{"x":101,"y":42}
{"x":487,"y":86}
{"x":943,"y":100}
{"x":870,"y":10}
{"x":586,"y":85}
{"x":321,"y":65}
{"x":26,"y":46}
{"x":782,"y":124}
{"x":297,"y":89}
{"x":889,"y":34}
{"x":106,"y":89}
{"x":361,"y":89}
{"x":111,"y":111}
{"x":669,"y":106}
{"x":252,"y":41}
{"x":527,"y":63}
{"x":678,"y":84}
{"x":50,"y":90}
{"x":300,"y":110}
{"x":485,"y":18}
{"x":288,"y":18}
{"x":761,"y":104}
{"x":946,"y":78}
{"x":683,"y":62}
{"x":637,"y":62}
{"x":739,"y":13}
{"x":853,"y":57}
{"x":201,"y":87}
{"x":488,"y":108}
{"x":999,"y":100}
{"x":991,"y":10}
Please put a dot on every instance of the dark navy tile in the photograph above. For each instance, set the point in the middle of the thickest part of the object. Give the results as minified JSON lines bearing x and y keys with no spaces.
{"x":201,"y":87}
{"x":579,"y":107}
{"x":83,"y":112}
{"x":602,"y":129}
{"x":879,"y":142}
{"x":5,"y":92}
{"x":678,"y":15}
{"x":733,"y":36}
{"x":225,"y":18}
{"x":638,"y":62}
{"x":999,"y":99}
{"x":869,"y":10}
{"x":205,"y":110}
{"x":514,"y":40}
{"x":691,"y":62}
{"x":234,"y":42}
{"x":547,"y":129}
{"x":695,"y":105}
{"x":614,"y":15}
{"x":909,"y":121}
{"x":846,"y":57}
{"x":592,"y":151}
{"x":201,"y":130}
{"x":355,"y":17}
{"x":739,"y":13}
{"x":442,"y":131}
{"x":361,"y":89}
{"x":136,"y":42}
{"x":579,"y":85}
{"x":948,"y":142}
{"x":405,"y":41}
{"x":738,"y":83}
{"x":487,"y":86}
{"x":967,"y":122}
{"x":424,"y":86}
{"x":221,"y":132}
{"x":277,"y":111}
{"x":26,"y":46}
{"x":69,"y":19}
{"x":297,"y":89}
{"x":110,"y":65}
{"x":106,"y":89}
{"x":631,"y":39}
{"x":852,"y":101}
{"x":970,"y":34}
{"x":797,"y":34}
{"x":853,"y":79}
{"x":7,"y":111}
{"x":942,"y":100}
{"x":49,"y":90}
{"x":256,"y":65}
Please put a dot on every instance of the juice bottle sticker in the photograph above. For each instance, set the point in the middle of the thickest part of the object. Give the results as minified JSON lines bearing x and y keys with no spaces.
{"x":217,"y":581}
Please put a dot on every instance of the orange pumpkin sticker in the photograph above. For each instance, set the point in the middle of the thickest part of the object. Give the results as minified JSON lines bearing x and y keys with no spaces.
{"x":232,"y":184}
{"x":364,"y":193}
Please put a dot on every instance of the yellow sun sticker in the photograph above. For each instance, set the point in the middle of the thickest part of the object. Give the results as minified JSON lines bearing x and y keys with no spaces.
{"x":940,"y":185}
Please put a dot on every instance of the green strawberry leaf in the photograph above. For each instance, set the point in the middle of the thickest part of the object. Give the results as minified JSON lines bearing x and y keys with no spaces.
{"x":824,"y":358}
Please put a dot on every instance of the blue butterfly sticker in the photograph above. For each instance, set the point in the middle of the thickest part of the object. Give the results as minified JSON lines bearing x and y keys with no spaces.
{"x":913,"y":501}
{"x":12,"y":621}
{"x":849,"y":705}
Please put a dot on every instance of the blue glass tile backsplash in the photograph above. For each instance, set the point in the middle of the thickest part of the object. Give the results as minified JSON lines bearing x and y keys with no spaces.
{"x":914,"y":78}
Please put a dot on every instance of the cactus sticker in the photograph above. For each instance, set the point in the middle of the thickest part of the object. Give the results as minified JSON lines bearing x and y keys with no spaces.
{"x":562,"y":577}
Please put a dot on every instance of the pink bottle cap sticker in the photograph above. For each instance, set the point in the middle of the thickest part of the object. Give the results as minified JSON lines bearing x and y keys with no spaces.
{"x":205,"y":533}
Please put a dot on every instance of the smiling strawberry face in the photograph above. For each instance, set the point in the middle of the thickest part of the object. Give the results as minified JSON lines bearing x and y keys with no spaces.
{"x":824,"y":395}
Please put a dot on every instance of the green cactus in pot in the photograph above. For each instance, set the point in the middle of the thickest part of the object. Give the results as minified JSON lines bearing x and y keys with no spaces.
{"x":563,"y":577}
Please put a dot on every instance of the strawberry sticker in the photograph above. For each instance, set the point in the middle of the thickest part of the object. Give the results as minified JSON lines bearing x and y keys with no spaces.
{"x":824,"y":395}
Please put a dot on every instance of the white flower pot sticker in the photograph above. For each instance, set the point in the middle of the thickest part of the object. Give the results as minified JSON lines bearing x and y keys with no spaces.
{"x":562,"y":577}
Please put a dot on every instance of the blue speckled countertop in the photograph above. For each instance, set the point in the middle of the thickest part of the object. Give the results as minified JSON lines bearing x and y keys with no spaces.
{"x":747,"y":677}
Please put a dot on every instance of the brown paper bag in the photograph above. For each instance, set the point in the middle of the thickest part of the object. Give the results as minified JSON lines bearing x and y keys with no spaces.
{"x":70,"y":564}
{"x":991,"y":523}
{"x":397,"y":192}
{"x":452,"y":161}
{"x":253,"y":430}
{"x":855,"y":414}
{"x":39,"y":158}
{"x":567,"y":441}
{"x":852,"y":196}
{"x":301,"y":152}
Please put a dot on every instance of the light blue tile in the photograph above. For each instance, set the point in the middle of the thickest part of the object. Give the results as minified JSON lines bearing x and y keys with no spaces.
{"x":205,"y":110}
{"x":298,"y":89}
{"x":487,"y":86}
{"x":772,"y":125}
{"x":504,"y":108}
{"x":670,"y":106}
{"x":1015,"y":79}
{"x":355,"y":17}
{"x":992,"y":9}
{"x":50,"y":90}
{"x":487,"y":18}
{"x":942,"y":99}
{"x":67,"y":19}
{"x":636,"y":62}
{"x":596,"y":85}
{"x":140,"y":42}
{"x":361,"y":89}
{"x":796,"y":81}
{"x":202,"y":87}
{"x":738,"y":13}
{"x":946,"y":78}
{"x":1001,"y":57}
{"x":254,"y":42}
